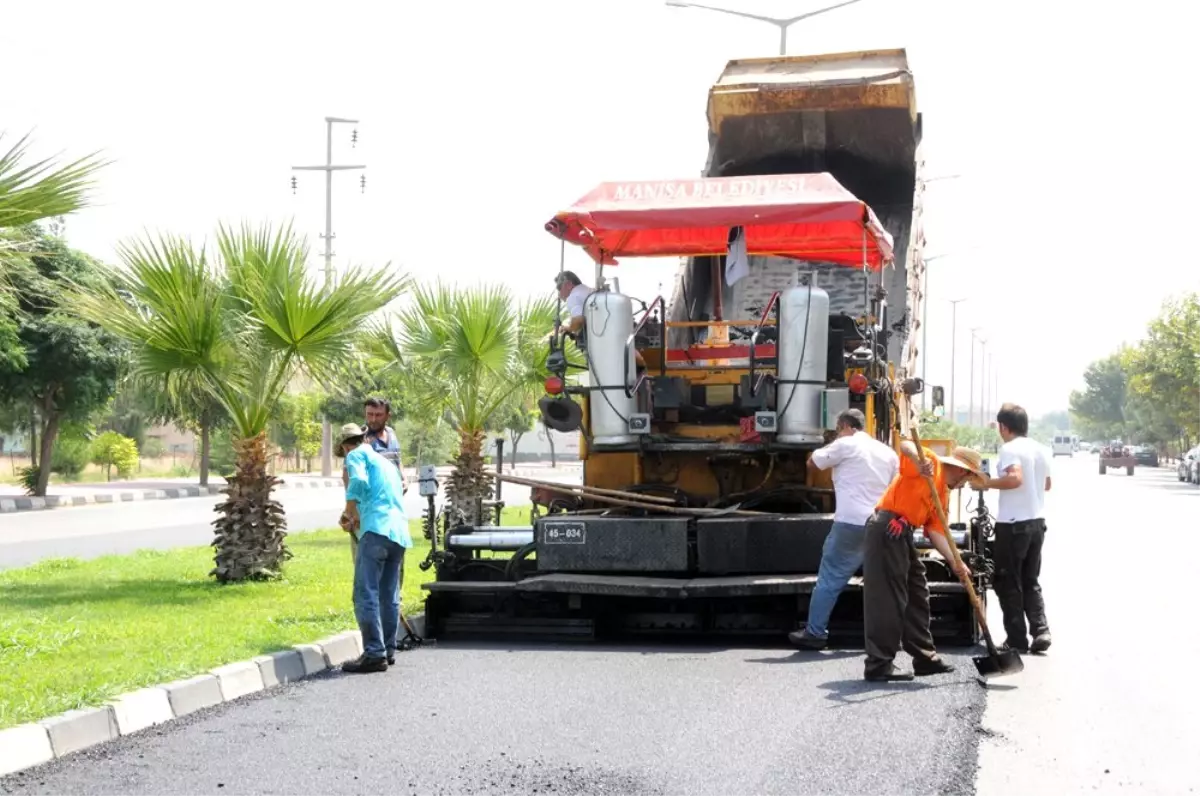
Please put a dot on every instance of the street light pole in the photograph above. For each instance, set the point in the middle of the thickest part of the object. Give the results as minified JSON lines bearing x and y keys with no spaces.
{"x":971,"y":400}
{"x":953,"y":359}
{"x":782,"y":23}
{"x":983,"y":382}
{"x":329,"y":168}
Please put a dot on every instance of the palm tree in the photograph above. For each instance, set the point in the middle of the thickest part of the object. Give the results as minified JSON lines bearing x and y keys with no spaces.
{"x":237,"y":328}
{"x":30,"y":192}
{"x":469,"y":351}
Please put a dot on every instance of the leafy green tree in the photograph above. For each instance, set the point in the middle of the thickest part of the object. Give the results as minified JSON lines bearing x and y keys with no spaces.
{"x":298,"y":425}
{"x":1099,"y":409}
{"x":110,"y":450}
{"x":468,"y":352}
{"x":238,"y":328}
{"x":516,"y":418}
{"x":71,"y":365}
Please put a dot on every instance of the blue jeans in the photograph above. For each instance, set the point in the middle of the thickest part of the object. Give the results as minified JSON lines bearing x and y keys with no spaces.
{"x":841,"y":557}
{"x":378,"y":571}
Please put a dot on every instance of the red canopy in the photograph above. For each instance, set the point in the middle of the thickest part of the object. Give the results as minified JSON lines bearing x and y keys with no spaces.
{"x":803,"y":216}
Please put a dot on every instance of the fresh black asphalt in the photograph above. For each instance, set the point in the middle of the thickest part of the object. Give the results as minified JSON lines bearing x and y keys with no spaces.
{"x":495,"y":718}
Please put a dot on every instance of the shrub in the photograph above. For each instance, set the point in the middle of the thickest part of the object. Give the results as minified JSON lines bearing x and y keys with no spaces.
{"x":110,"y":450}
{"x":70,"y":457}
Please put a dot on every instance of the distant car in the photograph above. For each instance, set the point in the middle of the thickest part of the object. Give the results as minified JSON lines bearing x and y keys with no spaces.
{"x":1062,"y":445}
{"x":1146,"y":456}
{"x":1086,"y":447}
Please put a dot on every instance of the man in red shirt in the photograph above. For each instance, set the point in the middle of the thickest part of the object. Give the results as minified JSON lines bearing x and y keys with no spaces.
{"x":895,"y":593}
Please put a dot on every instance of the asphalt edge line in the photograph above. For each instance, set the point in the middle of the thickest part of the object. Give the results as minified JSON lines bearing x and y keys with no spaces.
{"x":27,"y":746}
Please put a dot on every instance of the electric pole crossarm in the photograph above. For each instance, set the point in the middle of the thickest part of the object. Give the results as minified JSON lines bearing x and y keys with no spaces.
{"x":325,"y":168}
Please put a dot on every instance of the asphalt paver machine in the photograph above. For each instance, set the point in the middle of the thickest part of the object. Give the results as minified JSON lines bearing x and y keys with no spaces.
{"x":795,"y":300}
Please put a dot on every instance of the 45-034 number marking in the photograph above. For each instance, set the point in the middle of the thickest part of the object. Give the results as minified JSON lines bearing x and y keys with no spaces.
{"x":564,"y":533}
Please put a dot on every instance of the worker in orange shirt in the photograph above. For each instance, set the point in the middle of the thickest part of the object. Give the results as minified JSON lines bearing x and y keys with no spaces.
{"x":895,"y":593}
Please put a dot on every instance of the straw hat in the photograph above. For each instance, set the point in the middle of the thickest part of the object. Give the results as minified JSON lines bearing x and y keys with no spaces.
{"x":965,"y":458}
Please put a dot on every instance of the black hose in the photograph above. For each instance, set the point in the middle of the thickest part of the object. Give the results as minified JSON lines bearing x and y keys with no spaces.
{"x":510,"y":569}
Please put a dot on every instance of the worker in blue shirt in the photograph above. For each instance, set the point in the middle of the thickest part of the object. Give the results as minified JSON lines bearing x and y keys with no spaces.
{"x":375,"y":514}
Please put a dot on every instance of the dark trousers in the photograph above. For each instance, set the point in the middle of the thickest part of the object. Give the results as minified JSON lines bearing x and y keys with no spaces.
{"x":1018,"y":554}
{"x":895,"y":595}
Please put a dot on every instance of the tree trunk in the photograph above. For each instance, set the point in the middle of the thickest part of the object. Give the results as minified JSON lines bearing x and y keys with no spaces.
{"x":46,"y":454}
{"x":205,"y":450}
{"x":515,"y":439}
{"x":550,"y":439}
{"x":468,"y":485}
{"x":33,"y":437}
{"x":250,"y":532}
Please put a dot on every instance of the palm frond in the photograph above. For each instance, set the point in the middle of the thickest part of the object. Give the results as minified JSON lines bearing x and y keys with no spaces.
{"x":33,"y":191}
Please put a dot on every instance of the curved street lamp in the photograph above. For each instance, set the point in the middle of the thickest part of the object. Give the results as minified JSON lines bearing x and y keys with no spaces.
{"x":782,"y":23}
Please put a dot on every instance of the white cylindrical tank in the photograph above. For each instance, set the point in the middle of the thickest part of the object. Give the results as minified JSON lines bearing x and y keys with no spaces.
{"x":609,"y":318}
{"x":802,"y":358}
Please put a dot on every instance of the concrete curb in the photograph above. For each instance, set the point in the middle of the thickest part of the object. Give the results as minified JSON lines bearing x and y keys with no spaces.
{"x":13,"y":503}
{"x":28,"y":745}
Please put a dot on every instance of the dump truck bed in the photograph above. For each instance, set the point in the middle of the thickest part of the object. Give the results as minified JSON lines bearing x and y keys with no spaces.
{"x":853,"y":115}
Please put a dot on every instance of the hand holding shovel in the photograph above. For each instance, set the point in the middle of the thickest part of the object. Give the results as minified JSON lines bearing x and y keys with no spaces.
{"x":995,"y":663}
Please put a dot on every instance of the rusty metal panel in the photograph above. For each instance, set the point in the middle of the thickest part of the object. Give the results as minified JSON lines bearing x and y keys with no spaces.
{"x":841,"y":81}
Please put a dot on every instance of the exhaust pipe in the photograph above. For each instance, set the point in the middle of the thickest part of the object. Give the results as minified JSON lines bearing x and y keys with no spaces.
{"x":492,"y":540}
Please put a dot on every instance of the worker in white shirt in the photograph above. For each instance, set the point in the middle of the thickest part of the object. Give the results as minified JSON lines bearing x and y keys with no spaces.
{"x":575,"y":293}
{"x":863,"y":467}
{"x":1023,"y":479}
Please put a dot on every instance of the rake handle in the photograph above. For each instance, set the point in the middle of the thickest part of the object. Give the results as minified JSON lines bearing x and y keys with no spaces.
{"x":976,"y":603}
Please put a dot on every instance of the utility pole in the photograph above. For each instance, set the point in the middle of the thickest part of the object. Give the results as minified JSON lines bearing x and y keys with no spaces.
{"x":329,"y":168}
{"x":782,"y":23}
{"x":971,"y":400}
{"x":983,"y":383}
{"x":953,"y":358}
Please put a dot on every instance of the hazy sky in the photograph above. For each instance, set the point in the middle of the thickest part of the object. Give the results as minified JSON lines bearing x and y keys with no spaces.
{"x":1070,"y":224}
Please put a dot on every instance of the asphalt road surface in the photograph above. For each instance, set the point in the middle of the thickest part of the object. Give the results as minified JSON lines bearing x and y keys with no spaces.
{"x":116,"y":528}
{"x":1111,"y":708}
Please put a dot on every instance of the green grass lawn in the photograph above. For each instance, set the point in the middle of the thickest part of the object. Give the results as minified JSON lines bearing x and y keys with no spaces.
{"x":75,"y":633}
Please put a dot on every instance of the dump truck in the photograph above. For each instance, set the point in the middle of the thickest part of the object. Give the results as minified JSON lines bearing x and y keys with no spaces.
{"x":799,"y":284}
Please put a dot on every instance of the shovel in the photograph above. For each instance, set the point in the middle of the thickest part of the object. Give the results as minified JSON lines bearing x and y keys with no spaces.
{"x":995,"y":663}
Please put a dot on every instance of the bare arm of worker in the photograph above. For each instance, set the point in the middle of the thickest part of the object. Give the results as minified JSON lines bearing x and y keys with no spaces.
{"x":575,"y":324}
{"x":828,"y":456}
{"x":1011,"y":479}
{"x":1047,"y":483}
{"x":942,"y":545}
{"x":909,"y":451}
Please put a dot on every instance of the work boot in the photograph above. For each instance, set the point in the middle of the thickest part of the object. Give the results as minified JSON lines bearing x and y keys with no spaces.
{"x":1041,"y":642}
{"x":802,"y":639}
{"x":1006,"y":647}
{"x":391,"y":657}
{"x":887,"y":674}
{"x":924,"y":667}
{"x":365,"y":664}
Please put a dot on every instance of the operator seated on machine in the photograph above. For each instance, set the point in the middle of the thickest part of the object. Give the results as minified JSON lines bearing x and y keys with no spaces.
{"x":575,"y":293}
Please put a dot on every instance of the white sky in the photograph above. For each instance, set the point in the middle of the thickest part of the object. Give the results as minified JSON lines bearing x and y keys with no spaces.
{"x":481,"y":119}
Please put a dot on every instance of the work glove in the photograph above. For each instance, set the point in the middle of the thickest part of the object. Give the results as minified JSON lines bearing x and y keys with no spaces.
{"x":897,"y":526}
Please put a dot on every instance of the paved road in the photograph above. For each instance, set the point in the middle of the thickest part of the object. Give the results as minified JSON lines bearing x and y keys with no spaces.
{"x":1113,"y":707}
{"x":90,"y":531}
{"x":681,"y":719}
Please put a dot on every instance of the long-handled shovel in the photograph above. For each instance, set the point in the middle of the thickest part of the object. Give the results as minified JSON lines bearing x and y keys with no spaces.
{"x":995,"y":663}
